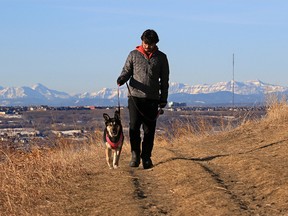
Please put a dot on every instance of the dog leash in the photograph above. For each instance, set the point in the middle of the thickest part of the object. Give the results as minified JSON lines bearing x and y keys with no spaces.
{"x":160,"y":111}
{"x":118,"y":92}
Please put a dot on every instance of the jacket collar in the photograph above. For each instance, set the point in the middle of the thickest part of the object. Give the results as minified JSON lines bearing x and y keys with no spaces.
{"x":141,"y":50}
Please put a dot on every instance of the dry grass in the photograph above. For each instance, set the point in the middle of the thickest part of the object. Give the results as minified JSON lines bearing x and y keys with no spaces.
{"x":32,"y":179}
{"x":27,"y":178}
{"x":198,"y":128}
{"x":277,"y":109}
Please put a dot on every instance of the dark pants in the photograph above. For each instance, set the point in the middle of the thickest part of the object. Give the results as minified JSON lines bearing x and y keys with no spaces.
{"x":142,"y":112}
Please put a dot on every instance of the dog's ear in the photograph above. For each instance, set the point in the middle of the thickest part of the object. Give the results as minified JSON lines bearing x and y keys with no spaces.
{"x":117,"y":115}
{"x":106,"y":117}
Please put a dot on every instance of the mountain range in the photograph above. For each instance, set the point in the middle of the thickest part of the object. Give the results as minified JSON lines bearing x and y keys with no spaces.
{"x":221,"y":93}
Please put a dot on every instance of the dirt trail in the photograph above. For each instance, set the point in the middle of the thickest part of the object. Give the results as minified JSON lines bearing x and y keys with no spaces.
{"x":243,"y":172}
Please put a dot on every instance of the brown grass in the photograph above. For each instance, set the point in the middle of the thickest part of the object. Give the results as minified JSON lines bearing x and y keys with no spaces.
{"x":277,"y":109}
{"x":29,"y":182}
{"x":26,"y":178}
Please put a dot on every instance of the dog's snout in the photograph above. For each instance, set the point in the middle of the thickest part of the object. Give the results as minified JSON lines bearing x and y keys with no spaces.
{"x":115,"y":131}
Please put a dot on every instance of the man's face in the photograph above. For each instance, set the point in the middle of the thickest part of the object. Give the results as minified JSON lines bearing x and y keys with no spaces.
{"x":148,"y":47}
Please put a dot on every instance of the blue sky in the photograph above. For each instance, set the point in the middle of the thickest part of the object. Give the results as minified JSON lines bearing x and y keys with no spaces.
{"x":81,"y":45}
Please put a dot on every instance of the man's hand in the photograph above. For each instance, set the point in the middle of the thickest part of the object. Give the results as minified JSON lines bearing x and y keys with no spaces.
{"x":120,"y":81}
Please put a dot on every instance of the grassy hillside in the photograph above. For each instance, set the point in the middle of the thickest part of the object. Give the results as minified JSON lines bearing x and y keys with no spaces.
{"x":242,"y":171}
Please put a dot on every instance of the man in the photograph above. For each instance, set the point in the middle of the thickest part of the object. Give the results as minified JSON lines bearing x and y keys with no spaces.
{"x":148,"y":71}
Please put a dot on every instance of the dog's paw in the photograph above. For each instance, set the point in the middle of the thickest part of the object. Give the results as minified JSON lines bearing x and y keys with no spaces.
{"x":115,"y":166}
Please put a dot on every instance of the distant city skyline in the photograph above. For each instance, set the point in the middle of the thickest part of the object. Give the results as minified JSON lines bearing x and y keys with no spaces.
{"x":81,"y":46}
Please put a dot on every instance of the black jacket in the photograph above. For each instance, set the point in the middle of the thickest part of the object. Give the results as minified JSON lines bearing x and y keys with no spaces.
{"x":149,"y":77}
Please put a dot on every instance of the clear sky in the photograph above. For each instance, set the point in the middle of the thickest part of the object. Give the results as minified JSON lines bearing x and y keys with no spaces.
{"x":80,"y":46}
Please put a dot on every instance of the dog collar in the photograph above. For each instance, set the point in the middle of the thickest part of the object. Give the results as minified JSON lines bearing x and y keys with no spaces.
{"x":112,"y":144}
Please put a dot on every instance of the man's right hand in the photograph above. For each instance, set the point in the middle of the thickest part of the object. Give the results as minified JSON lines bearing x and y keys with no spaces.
{"x":120,"y":81}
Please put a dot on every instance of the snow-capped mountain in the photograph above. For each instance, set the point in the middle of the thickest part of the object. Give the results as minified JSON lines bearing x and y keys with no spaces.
{"x":105,"y":93}
{"x":36,"y":91}
{"x":49,"y":93}
{"x":35,"y":95}
{"x":248,"y":92}
{"x":19,"y":92}
{"x":241,"y":88}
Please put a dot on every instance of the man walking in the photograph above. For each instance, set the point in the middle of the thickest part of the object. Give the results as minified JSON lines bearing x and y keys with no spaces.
{"x":147,"y":69}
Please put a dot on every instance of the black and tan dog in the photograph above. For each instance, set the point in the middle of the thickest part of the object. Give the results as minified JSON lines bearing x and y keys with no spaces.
{"x":113,"y":139}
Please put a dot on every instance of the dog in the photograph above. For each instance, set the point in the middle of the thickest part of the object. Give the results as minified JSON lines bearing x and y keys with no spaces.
{"x":113,"y":138}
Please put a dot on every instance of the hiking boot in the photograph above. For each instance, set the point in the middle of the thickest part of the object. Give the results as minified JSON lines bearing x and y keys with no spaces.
{"x":135,"y":160}
{"x":147,"y":163}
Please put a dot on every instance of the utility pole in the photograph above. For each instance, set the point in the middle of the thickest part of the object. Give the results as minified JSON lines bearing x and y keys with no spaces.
{"x":233,"y":82}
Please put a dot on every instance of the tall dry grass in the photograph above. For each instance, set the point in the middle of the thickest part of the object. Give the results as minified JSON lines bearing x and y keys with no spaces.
{"x":27,"y":178}
{"x":277,"y":109}
{"x":200,"y":127}
{"x":189,"y":128}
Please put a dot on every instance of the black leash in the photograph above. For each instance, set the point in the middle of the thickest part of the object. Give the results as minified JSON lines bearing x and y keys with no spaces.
{"x":118,"y":92}
{"x":160,"y":111}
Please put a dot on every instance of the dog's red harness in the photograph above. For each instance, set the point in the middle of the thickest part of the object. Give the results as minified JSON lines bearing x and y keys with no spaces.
{"x":115,"y":145}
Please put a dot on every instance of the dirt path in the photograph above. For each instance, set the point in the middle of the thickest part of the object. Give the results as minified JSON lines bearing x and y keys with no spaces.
{"x":239,"y":173}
